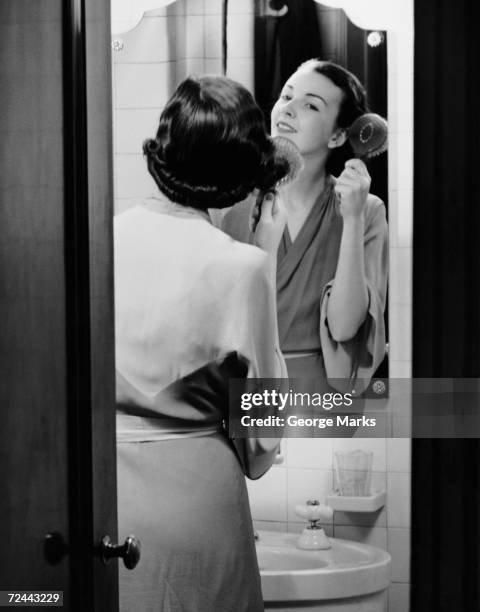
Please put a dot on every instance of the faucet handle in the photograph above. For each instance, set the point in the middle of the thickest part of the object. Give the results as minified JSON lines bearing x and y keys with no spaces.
{"x":314,"y":511}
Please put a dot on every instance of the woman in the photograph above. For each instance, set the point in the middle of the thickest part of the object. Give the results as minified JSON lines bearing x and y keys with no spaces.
{"x":332,"y":259}
{"x":193,"y":309}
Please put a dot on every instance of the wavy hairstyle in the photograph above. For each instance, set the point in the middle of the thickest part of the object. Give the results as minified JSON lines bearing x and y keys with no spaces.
{"x":354,"y":104}
{"x":211,"y":148}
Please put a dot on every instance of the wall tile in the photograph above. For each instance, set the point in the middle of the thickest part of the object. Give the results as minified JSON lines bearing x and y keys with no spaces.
{"x":236,"y":7}
{"x":240,"y":36}
{"x":195,"y":7}
{"x":304,"y":484}
{"x":309,"y":453}
{"x":400,"y":286}
{"x":399,"y":598}
{"x":399,"y":455}
{"x":375,"y":536}
{"x":213,"y":66}
{"x":400,"y":332}
{"x":213,"y":36}
{"x":131,"y":177}
{"x":133,"y":126}
{"x":268,"y":496}
{"x":241,"y":70}
{"x":400,"y":369}
{"x":400,"y":218}
{"x":213,"y":7}
{"x":195,"y":36}
{"x":270,"y":526}
{"x":398,"y":496}
{"x":399,"y":549}
{"x":143,"y":85}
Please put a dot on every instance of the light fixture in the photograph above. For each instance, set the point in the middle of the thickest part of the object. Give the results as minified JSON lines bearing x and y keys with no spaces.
{"x":375,"y":38}
{"x":126,"y":14}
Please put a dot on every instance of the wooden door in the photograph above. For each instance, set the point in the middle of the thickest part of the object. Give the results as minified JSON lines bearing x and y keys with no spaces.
{"x":57,"y":442}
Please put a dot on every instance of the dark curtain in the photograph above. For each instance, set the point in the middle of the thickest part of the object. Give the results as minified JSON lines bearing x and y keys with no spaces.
{"x":446,"y":306}
{"x":282,"y":43}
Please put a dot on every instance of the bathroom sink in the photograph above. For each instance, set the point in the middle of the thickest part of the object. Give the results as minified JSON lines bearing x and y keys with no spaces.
{"x":347,"y":570}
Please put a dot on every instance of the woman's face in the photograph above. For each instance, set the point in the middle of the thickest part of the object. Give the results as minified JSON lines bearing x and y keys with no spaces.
{"x":306,"y":112}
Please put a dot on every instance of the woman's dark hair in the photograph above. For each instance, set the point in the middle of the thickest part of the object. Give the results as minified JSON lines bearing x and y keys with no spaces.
{"x":211,"y":148}
{"x":354,"y":104}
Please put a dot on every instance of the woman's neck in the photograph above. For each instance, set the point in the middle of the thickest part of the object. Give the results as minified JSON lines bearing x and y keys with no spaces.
{"x":302,"y":193}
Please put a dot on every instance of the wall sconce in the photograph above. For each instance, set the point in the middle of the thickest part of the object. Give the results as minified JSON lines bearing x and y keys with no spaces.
{"x":126,"y":14}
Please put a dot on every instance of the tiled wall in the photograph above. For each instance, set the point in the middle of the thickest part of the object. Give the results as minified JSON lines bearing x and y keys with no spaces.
{"x":152,"y":58}
{"x":185,"y":38}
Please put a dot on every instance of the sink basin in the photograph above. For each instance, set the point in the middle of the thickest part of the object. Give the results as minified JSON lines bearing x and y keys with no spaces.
{"x":349,"y":571}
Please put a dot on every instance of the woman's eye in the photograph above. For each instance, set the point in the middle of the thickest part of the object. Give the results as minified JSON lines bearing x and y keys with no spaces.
{"x":285,"y":97}
{"x":311,"y":107}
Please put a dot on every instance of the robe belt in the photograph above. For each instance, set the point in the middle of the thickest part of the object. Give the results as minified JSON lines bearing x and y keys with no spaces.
{"x":132,"y":428}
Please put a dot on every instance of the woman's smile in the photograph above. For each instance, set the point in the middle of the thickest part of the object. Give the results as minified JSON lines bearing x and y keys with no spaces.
{"x":285,"y":128}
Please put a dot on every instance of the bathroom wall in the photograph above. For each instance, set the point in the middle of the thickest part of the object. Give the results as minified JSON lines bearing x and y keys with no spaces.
{"x":148,"y":63}
{"x":151,"y":60}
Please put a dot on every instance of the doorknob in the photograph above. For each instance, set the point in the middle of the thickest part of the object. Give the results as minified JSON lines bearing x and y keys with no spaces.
{"x":129,"y":551}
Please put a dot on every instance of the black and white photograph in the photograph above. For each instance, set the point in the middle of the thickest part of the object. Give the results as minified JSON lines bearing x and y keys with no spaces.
{"x":240,"y":305}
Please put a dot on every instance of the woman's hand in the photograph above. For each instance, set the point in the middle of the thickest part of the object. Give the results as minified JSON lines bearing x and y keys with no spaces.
{"x":271,"y":223}
{"x":353,"y":186}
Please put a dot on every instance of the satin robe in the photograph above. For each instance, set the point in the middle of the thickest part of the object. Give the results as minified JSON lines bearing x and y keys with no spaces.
{"x":193,"y":308}
{"x":305,"y":272}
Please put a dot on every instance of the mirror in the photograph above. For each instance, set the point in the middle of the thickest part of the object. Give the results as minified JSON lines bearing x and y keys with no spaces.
{"x":186,"y":37}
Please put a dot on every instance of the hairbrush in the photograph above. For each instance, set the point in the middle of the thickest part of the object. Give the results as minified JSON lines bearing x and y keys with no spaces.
{"x":285,"y":151}
{"x":368,"y":136}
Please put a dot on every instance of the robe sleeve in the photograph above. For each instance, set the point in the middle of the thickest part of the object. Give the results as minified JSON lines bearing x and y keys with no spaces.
{"x":260,"y":345}
{"x":351,"y":364}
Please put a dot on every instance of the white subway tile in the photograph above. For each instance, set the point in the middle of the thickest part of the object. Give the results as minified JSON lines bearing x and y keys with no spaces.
{"x":240,"y":36}
{"x":268,"y":496}
{"x":374,"y":536}
{"x":133,"y":126}
{"x":195,"y":66}
{"x":213,"y":36}
{"x":195,"y":7}
{"x":305,"y":484}
{"x":213,"y":66}
{"x":400,"y":279}
{"x":398,"y":499}
{"x":213,"y":7}
{"x":399,"y":549}
{"x":195,"y":35}
{"x":270,"y":526}
{"x":131,"y":177}
{"x":238,"y":7}
{"x":400,"y":332}
{"x":310,"y":453}
{"x":241,"y":70}
{"x":143,"y":85}
{"x":399,"y":598}
{"x":400,"y":369}
{"x":399,"y":452}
